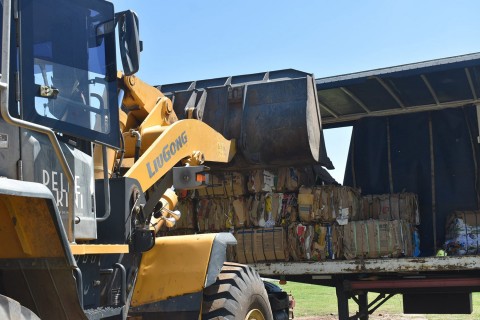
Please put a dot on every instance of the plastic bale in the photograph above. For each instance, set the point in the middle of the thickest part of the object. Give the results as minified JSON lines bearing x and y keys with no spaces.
{"x":462,"y":234}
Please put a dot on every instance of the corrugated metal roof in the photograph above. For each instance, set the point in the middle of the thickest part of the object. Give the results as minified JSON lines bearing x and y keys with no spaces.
{"x":428,"y":85}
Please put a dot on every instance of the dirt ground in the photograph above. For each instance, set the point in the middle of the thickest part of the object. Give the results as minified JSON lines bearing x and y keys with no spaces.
{"x":376,"y":316}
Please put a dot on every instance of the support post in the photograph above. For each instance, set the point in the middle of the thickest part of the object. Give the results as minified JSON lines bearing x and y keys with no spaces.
{"x":363,"y":305}
{"x":342,"y":302}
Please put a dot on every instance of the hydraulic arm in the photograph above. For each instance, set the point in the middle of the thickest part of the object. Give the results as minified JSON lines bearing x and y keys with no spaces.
{"x":155,"y":141}
{"x":164,"y":141}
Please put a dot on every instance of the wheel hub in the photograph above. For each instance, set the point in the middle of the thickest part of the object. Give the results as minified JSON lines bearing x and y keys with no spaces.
{"x":255,"y":314}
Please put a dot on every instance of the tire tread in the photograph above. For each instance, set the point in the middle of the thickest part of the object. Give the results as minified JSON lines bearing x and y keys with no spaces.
{"x":12,"y":310}
{"x":224,"y":298}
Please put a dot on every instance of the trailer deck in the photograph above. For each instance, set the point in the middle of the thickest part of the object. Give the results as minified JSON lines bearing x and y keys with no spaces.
{"x":387,"y":265}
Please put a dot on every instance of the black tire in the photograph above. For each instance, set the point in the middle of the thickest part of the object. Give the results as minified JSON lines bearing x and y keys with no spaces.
{"x":237,"y":291}
{"x":11,"y":309}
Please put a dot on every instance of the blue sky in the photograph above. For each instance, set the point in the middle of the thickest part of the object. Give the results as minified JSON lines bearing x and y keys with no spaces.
{"x":194,"y":40}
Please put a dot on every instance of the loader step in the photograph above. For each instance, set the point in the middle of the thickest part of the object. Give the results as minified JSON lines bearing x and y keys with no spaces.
{"x":100,"y":313}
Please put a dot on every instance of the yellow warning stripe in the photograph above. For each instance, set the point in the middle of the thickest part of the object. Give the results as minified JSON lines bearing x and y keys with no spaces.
{"x":83,"y":249}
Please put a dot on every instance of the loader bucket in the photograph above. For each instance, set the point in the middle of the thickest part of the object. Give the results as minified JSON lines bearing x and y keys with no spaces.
{"x":274,"y":117}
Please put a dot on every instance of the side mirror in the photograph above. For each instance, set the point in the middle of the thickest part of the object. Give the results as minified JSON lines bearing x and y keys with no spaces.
{"x":128,"y":41}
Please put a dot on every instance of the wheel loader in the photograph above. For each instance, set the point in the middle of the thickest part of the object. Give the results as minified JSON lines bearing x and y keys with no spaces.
{"x":92,"y":159}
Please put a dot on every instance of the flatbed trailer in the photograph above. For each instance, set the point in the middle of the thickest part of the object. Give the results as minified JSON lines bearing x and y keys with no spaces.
{"x":441,"y":99}
{"x":415,"y":130}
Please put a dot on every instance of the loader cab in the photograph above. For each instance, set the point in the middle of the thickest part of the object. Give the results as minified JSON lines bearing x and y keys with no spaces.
{"x":63,"y":93}
{"x":67,"y":66}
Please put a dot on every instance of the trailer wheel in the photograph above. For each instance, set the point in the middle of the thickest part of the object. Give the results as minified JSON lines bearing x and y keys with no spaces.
{"x":238,"y":294}
{"x":12,"y":310}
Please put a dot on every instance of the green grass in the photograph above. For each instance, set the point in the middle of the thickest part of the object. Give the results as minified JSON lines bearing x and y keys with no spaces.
{"x":314,"y":300}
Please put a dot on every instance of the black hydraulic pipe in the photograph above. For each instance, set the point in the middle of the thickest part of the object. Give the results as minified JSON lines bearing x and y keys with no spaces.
{"x":123,"y":289}
{"x":79,"y":280}
{"x":106,"y":186}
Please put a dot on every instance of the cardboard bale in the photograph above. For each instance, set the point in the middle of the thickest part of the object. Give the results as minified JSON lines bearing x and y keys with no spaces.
{"x":277,"y":207}
{"x":244,"y":250}
{"x":291,"y":179}
{"x":377,"y":238}
{"x":261,"y":181}
{"x":305,"y":204}
{"x":287,"y":180}
{"x":229,"y":184}
{"x":228,"y":214}
{"x":327,"y":242}
{"x":236,"y":185}
{"x":397,"y":206}
{"x":221,"y":215}
{"x":215,"y":187}
{"x":462,"y":234}
{"x":319,"y":245}
{"x":281,"y":179}
{"x":202,"y":211}
{"x":214,"y":214}
{"x":288,"y":210}
{"x":336,"y":244}
{"x":260,"y":210}
{"x":255,"y":210}
{"x":269,"y":216}
{"x":241,"y":214}
{"x":316,"y":242}
{"x":300,"y":239}
{"x":261,"y":245}
{"x":187,"y":220}
{"x":271,"y":244}
{"x":270,"y":209}
{"x":328,"y":204}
